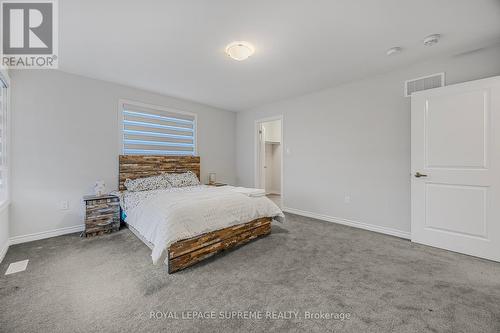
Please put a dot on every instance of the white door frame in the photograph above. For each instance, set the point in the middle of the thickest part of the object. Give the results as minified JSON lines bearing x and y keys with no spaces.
{"x":257,"y":149}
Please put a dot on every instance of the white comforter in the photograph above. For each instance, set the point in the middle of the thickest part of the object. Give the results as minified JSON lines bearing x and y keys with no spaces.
{"x":163,"y":217}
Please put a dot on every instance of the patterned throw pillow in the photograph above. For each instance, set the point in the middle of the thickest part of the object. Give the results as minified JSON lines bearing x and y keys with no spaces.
{"x":182,"y":179}
{"x":148,"y":183}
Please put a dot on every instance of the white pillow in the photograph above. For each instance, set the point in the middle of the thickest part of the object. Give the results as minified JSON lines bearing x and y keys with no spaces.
{"x":182,"y":179}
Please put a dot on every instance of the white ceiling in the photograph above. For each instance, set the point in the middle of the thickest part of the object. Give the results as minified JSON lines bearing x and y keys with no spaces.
{"x":177,"y":47}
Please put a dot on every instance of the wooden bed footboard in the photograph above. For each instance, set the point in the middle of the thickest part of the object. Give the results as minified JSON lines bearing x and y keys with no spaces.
{"x":190,"y":251}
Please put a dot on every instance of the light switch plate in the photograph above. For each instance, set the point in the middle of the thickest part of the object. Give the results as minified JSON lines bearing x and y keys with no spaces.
{"x":64,"y":205}
{"x":347,"y":199}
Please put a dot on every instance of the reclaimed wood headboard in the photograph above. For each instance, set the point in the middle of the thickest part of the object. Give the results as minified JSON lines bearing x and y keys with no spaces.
{"x":138,"y":166}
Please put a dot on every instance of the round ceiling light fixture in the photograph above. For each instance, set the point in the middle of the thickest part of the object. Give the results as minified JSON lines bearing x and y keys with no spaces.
{"x":240,"y":50}
{"x":432,"y":39}
{"x":394,"y":50}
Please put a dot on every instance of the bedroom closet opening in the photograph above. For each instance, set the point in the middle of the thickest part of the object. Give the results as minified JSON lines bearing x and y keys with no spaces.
{"x":270,"y":158}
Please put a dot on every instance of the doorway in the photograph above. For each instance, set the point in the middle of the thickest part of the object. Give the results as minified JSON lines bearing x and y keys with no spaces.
{"x":269,"y":158}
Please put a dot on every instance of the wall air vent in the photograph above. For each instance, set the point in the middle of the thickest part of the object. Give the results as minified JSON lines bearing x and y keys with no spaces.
{"x":424,"y":83}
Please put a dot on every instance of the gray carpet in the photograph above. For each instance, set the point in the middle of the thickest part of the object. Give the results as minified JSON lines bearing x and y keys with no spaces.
{"x":107,"y":284}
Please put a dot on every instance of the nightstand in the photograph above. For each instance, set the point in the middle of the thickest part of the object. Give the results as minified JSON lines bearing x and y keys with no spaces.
{"x":216,"y":184}
{"x":102,"y":214}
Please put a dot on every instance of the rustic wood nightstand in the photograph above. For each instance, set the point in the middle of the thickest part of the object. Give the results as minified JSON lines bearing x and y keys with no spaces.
{"x":102,"y":214}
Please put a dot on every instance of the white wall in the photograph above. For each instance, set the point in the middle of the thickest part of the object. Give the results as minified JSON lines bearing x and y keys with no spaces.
{"x":353,"y":140}
{"x":4,"y":231}
{"x":5,"y":208}
{"x":65,"y":137}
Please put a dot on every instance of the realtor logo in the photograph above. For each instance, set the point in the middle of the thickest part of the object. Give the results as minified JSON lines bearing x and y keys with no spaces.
{"x":29,"y":34}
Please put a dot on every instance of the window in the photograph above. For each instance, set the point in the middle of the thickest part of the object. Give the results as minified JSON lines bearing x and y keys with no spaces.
{"x":4,"y":138}
{"x":154,"y":130}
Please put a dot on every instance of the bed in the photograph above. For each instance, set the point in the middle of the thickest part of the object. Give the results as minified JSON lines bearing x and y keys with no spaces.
{"x":183,"y":226}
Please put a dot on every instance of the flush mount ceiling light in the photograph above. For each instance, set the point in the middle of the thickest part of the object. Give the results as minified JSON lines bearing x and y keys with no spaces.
{"x":432,"y":39}
{"x":239,"y":50}
{"x":394,"y":50}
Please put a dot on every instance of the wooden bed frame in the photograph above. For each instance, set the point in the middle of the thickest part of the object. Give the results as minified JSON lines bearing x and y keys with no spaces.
{"x":188,"y":252}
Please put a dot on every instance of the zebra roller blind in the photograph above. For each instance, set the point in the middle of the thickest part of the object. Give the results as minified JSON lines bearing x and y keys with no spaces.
{"x":150,"y":130}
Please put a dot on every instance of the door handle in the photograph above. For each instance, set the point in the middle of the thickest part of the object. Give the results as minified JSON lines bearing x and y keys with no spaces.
{"x":418,"y":175}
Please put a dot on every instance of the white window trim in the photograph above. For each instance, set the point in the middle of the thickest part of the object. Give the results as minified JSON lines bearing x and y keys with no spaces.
{"x":4,"y":76}
{"x":121,"y":104}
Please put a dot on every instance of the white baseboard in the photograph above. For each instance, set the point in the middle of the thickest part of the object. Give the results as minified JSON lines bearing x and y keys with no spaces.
{"x":45,"y":234}
{"x":355,"y":224}
{"x":3,"y":251}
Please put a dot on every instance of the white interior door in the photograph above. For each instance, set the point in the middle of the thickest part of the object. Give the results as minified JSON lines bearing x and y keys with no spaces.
{"x":262,"y":156}
{"x":269,"y":168}
{"x":455,"y":161}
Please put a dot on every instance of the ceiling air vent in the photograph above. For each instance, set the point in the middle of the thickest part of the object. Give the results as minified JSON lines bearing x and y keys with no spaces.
{"x":424,"y":83}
